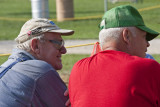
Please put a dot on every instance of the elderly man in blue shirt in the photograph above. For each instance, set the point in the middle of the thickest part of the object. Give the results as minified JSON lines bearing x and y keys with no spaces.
{"x":29,"y":78}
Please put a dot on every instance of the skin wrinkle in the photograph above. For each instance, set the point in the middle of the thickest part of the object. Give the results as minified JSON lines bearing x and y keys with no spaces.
{"x":53,"y":56}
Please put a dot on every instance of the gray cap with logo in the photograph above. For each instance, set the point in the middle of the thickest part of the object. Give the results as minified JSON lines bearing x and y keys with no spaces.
{"x":35,"y":27}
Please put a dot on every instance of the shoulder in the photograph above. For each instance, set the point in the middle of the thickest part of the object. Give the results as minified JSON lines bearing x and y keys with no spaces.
{"x":39,"y":64}
{"x":144,"y":67}
{"x":144,"y":62}
{"x":33,"y":68}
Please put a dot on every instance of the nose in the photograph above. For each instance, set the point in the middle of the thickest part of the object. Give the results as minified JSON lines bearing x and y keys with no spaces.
{"x":148,"y":44}
{"x":63,"y":50}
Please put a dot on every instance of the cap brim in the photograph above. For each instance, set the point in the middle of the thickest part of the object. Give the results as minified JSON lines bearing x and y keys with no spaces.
{"x":151,"y":34}
{"x":64,"y":32}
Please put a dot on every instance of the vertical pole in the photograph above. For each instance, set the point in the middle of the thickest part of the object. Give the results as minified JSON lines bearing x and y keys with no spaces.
{"x":40,"y":9}
{"x":64,"y":9}
{"x":105,"y":5}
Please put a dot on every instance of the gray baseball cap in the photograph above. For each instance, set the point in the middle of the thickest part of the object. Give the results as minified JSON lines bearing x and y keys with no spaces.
{"x":35,"y":27}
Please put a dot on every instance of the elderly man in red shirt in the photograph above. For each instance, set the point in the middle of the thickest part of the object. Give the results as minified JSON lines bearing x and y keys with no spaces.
{"x":120,"y":75}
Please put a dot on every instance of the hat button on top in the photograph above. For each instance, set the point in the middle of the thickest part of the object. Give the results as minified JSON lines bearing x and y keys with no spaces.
{"x":51,"y":22}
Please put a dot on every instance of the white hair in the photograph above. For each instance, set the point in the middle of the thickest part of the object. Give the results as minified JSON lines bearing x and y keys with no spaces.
{"x":106,"y":35}
{"x":26,"y":45}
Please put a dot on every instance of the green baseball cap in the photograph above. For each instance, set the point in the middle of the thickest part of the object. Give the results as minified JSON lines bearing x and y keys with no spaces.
{"x":126,"y":16}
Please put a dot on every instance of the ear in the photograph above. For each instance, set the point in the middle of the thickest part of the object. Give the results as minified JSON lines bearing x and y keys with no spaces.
{"x":126,"y":36}
{"x":35,"y":46}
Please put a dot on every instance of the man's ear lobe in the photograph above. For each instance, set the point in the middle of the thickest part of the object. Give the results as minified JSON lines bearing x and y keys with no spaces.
{"x":35,"y":46}
{"x":125,"y":35}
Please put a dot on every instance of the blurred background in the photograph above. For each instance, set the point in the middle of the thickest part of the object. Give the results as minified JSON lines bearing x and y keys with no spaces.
{"x":87,"y":15}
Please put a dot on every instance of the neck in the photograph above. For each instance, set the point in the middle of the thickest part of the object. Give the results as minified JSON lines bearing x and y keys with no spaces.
{"x":115,"y":46}
{"x":110,"y":48}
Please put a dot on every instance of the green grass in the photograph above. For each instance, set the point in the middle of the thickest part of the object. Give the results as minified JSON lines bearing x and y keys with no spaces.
{"x":14,"y":13}
{"x":157,"y":57}
{"x":3,"y":59}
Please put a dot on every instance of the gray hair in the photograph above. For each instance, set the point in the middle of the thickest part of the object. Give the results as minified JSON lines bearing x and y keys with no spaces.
{"x":109,"y":34}
{"x":26,"y":45}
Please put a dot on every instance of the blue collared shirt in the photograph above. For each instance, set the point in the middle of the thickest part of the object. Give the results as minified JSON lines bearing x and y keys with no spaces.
{"x":32,"y":83}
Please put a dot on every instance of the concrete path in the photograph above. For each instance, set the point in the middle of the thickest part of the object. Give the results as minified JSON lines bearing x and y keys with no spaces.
{"x":6,"y":46}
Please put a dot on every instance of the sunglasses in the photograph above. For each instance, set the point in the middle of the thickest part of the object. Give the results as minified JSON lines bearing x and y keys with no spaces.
{"x":58,"y":44}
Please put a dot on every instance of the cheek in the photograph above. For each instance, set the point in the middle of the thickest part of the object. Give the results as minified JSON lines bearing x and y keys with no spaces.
{"x":52,"y":54}
{"x":143,"y":44}
{"x":51,"y":57}
{"x":48,"y":54}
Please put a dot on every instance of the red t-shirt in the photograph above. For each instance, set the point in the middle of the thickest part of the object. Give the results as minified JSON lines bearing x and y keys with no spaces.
{"x":115,"y":79}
